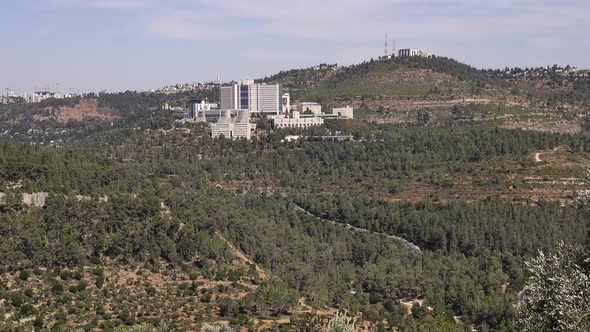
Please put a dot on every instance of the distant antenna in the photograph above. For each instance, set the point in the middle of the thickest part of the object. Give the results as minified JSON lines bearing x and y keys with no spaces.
{"x":393,"y":48}
{"x":385,"y":52}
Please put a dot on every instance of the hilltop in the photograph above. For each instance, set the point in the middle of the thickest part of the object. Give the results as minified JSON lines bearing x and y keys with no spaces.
{"x":421,"y":76}
{"x":438,"y":90}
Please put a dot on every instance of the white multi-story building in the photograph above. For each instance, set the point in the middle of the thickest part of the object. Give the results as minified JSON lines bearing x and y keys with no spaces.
{"x":255,"y":97}
{"x":286,"y":102}
{"x":233,"y":127}
{"x":296,"y":121}
{"x":309,"y":108}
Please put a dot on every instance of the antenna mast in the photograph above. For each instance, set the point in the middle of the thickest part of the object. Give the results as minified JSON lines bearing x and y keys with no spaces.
{"x":385,"y":52}
{"x":393,"y":50}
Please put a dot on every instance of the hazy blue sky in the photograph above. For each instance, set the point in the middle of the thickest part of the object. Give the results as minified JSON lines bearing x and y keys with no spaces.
{"x":142,"y":44}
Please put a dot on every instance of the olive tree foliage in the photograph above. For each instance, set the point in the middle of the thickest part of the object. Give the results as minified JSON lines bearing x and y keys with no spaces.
{"x":219,"y":327}
{"x":340,"y":323}
{"x":557,"y":295}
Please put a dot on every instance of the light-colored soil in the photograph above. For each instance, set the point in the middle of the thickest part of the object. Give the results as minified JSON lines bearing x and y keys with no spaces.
{"x":86,"y":110}
{"x":557,"y":126}
{"x":262,"y":272}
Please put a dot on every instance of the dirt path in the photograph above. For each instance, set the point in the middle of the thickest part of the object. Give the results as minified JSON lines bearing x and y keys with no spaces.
{"x":361,"y":230}
{"x":263,"y":273}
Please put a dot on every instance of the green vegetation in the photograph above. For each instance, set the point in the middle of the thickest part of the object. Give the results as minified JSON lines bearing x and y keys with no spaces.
{"x":143,"y":226}
{"x":163,"y":206}
{"x":556,"y":297}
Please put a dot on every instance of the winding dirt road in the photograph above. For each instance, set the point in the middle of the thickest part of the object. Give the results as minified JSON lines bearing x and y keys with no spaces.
{"x":361,"y":230}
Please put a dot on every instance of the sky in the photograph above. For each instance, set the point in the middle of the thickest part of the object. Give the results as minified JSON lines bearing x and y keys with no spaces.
{"x":117,"y":45}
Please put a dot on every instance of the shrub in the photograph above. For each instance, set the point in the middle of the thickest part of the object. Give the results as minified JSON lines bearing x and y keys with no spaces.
{"x":79,"y":287}
{"x":38,"y":323}
{"x":228,"y":307}
{"x":206,"y":298}
{"x":78,"y":275}
{"x":65,"y":275}
{"x":99,"y":282}
{"x":151,"y":291}
{"x":23,"y":275}
{"x":57,"y":289}
{"x":27,"y":310}
{"x":17,"y":299}
{"x":61,"y":316}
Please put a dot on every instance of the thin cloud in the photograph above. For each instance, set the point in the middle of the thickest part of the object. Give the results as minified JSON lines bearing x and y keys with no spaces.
{"x":106,"y":4}
{"x":191,"y":27}
{"x":351,"y":20}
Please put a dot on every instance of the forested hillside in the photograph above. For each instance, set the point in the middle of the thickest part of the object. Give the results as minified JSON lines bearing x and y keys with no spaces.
{"x":169,"y":217}
{"x":422,"y":220}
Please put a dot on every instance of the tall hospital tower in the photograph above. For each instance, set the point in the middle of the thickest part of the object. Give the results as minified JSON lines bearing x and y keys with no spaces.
{"x":257,"y":98}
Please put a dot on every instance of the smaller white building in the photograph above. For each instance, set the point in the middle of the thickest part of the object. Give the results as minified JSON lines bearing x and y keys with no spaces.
{"x":410,"y":52}
{"x":344,"y":112}
{"x":309,"y":108}
{"x":296,"y":121}
{"x":286,"y":103}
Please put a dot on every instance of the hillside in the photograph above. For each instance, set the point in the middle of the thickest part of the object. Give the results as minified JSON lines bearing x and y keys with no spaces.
{"x":423,"y":221}
{"x":411,"y":90}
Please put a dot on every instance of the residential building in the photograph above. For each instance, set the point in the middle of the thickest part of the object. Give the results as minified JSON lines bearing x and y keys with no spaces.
{"x":237,"y":127}
{"x":296,"y":121}
{"x":255,"y":97}
{"x":309,"y":108}
{"x":43,"y":95}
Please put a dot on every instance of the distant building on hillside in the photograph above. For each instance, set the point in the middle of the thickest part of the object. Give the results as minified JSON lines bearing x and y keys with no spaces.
{"x":255,"y":97}
{"x":233,"y":127}
{"x":286,"y":102}
{"x":411,"y":52}
{"x":309,"y":108}
{"x":297,"y":121}
{"x":43,"y":95}
{"x":197,"y":110}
